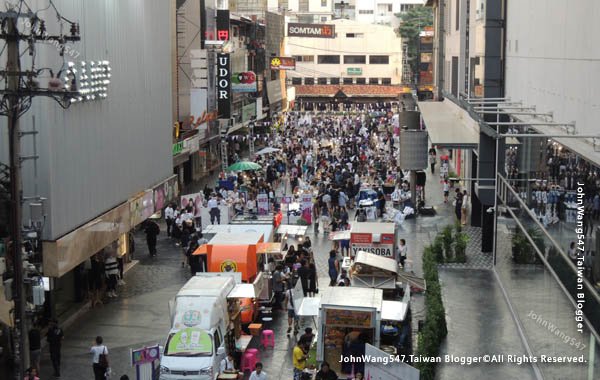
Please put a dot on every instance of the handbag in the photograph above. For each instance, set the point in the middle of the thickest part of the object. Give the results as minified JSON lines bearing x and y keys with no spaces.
{"x":103,"y":358}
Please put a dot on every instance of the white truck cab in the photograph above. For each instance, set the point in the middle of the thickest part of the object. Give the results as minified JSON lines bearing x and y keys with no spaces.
{"x":195,"y":345}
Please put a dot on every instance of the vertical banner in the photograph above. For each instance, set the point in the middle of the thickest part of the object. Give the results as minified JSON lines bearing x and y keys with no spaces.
{"x":224,"y":85}
{"x":262,"y":201}
{"x":306,"y":207}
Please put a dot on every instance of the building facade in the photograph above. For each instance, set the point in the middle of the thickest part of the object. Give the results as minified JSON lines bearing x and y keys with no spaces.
{"x":103,"y":165}
{"x":384,"y":12}
{"x":359,"y":54}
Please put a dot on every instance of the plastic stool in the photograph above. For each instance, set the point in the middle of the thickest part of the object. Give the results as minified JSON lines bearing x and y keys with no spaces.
{"x":249,"y":361}
{"x":255,"y":352}
{"x":268,"y":338}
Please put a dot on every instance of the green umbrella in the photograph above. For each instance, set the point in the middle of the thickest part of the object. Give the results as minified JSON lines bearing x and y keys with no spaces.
{"x":244,"y":165}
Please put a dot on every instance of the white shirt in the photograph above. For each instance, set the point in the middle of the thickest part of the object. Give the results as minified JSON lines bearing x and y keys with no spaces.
{"x":258,"y":376}
{"x":169,"y":213}
{"x":227,"y":364}
{"x":212,"y":203}
{"x":96,"y":351}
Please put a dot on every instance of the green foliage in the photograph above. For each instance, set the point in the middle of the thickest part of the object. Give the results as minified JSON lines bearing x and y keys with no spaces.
{"x":411,"y":24}
{"x":438,"y":249}
{"x":302,"y":222}
{"x":434,"y":329}
{"x":446,"y":236}
{"x":461,"y":240}
{"x":522,"y":250}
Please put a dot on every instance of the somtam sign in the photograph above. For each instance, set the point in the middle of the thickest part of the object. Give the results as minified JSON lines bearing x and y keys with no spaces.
{"x":311,"y":30}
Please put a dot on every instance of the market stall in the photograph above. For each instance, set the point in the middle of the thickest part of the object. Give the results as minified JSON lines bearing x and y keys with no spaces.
{"x":373,"y":271}
{"x":349,"y":318}
{"x":378,"y":238}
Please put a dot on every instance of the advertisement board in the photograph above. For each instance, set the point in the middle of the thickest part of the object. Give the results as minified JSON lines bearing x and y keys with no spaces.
{"x":354,"y":71}
{"x":262,"y":201}
{"x":351,"y":318}
{"x":222,"y":24}
{"x":283,"y":63}
{"x":224,"y":85}
{"x":311,"y":30}
{"x":386,"y":250}
{"x":248,"y":112}
{"x":243,"y":82}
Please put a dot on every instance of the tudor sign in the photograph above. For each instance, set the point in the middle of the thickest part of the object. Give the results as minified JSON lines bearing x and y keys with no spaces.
{"x":311,"y":30}
{"x":224,"y":86}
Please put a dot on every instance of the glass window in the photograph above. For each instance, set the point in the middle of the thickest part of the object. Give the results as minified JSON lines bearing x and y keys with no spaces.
{"x":355,"y":35}
{"x":309,"y":80}
{"x":334,"y":80}
{"x":348,"y":80}
{"x":304,"y":58}
{"x":323,"y":3}
{"x":365,"y":11}
{"x":322,"y":80}
{"x":373,"y":80}
{"x":361,"y":81}
{"x":350,"y":59}
{"x":296,"y":80}
{"x":386,"y":80}
{"x":328,"y":59}
{"x":379,"y":59}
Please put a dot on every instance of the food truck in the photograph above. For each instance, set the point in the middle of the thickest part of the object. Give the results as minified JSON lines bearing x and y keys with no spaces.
{"x":375,"y":237}
{"x":348,"y":319}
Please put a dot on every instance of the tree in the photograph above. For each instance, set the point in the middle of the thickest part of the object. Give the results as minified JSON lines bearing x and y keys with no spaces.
{"x":411,"y":24}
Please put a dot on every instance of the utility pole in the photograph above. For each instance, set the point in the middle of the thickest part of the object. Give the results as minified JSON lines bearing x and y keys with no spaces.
{"x":20,"y":88}
{"x":13,"y":65}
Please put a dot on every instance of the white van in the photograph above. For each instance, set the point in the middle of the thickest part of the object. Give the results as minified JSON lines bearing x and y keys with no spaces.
{"x":195,"y":346}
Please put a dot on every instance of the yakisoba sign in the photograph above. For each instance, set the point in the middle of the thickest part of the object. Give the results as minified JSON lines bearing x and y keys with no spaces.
{"x":311,"y":30}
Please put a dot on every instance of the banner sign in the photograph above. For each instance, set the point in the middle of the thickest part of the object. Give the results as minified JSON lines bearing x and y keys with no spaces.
{"x":354,"y":71}
{"x":224,"y":85}
{"x":306,"y":207}
{"x":244,"y":82}
{"x":311,"y":30}
{"x":283,"y":63}
{"x":145,"y":355}
{"x":262,"y":201}
{"x":384,"y":250}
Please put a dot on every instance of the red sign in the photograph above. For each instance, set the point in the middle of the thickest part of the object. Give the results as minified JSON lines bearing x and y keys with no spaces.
{"x":204,"y":118}
{"x":387,"y":239}
{"x":363,"y":238}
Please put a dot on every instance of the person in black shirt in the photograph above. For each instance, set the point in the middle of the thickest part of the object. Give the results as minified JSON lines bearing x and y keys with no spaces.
{"x":55,"y":337}
{"x":325,"y":373}
{"x":35,"y":346}
{"x":303,"y":273}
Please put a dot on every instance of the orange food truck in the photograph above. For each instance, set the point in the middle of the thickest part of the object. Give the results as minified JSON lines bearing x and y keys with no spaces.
{"x":237,"y":252}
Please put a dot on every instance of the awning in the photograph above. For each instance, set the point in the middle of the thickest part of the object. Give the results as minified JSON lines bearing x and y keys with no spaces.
{"x":309,"y":307}
{"x":292,"y":230}
{"x":269,"y":248}
{"x":372,"y":263}
{"x":448,"y":125}
{"x":243,"y":291}
{"x":393,"y":311}
{"x":339,"y":235}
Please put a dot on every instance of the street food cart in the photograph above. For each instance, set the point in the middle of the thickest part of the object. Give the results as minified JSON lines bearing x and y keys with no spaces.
{"x":373,"y":271}
{"x":273,"y":219}
{"x":349,"y":318}
{"x":375,"y":237}
{"x":234,"y":252}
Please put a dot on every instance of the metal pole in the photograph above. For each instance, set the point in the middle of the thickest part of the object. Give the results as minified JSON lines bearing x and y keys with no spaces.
{"x":14,"y":66}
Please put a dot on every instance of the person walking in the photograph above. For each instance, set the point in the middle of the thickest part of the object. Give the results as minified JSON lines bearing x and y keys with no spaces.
{"x":213,"y":209}
{"x":169,"y":218}
{"x":258,"y":373}
{"x":278,"y":286}
{"x":54,"y":337}
{"x":35,"y":346}
{"x":111,"y":268}
{"x":334,"y":267}
{"x":402,"y":249}
{"x":464,"y":208}
{"x":99,"y":358}
{"x":32,"y":374}
{"x":446,"y":189}
{"x":291,"y":310}
{"x":432,"y":160}
{"x":152,"y":230}
{"x":326,"y":373}
{"x":303,"y":274}
{"x":313,"y":285}
{"x":458,"y":204}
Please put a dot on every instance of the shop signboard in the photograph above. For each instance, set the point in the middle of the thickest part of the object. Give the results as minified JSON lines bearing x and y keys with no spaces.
{"x":243,"y":82}
{"x":222,"y":24}
{"x":381,"y":367}
{"x":310,"y":30}
{"x":224,"y":85}
{"x":360,"y":238}
{"x":386,"y":250}
{"x":262,"y":201}
{"x":354,"y":71}
{"x":177,"y":148}
{"x":283,"y":63}
{"x":192,"y":144}
{"x":350,"y":318}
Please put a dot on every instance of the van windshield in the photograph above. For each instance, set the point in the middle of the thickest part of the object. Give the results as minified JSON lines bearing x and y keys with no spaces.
{"x":189,"y":342}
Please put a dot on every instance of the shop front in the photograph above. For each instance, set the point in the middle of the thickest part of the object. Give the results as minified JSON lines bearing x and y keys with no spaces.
{"x":65,"y":261}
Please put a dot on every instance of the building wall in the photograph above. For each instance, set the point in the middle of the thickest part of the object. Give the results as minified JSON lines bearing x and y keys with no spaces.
{"x":373,"y":40}
{"x":556,"y":69}
{"x":95,"y":155}
{"x":376,"y":11}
